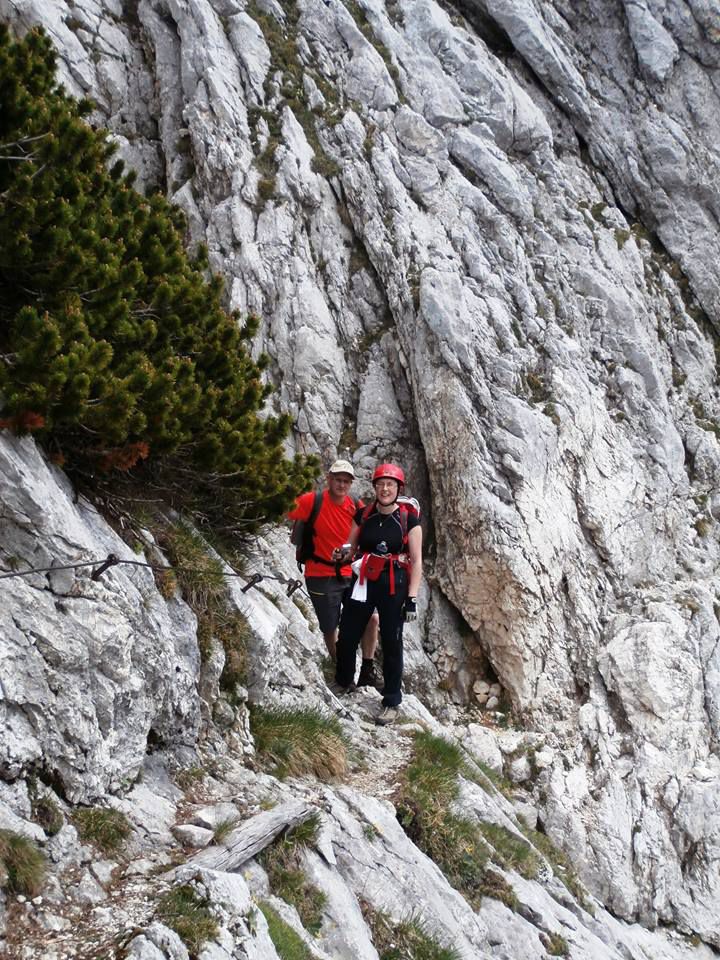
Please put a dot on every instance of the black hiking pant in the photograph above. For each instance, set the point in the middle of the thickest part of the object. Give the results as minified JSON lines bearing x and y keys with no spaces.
{"x":354,"y":619}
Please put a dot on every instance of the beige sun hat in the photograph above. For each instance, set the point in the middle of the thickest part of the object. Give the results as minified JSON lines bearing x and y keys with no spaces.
{"x":342,"y":466}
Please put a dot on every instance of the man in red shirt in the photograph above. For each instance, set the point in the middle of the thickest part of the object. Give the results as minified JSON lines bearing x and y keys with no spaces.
{"x":325,"y":582}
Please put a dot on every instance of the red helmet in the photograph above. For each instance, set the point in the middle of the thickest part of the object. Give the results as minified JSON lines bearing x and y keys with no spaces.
{"x":388,"y":471}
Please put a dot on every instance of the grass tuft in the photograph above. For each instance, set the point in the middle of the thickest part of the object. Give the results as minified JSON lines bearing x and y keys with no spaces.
{"x":703,"y":525}
{"x":298,"y":742}
{"x":496,"y":886}
{"x":556,"y":945}
{"x":224,"y":828}
{"x":189,"y":777}
{"x":510,"y":852}
{"x":22,"y":865}
{"x":408,"y":939}
{"x":47,"y":813}
{"x":501,"y":784}
{"x":103,"y":827}
{"x":266,"y":188}
{"x":287,"y":879}
{"x":287,"y":943}
{"x":188,"y":914}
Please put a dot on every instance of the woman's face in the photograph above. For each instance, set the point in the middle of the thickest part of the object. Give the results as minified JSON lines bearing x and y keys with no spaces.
{"x":386,"y":491}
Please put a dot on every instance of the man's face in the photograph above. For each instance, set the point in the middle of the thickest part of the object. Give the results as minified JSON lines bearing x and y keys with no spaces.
{"x":339,"y":483}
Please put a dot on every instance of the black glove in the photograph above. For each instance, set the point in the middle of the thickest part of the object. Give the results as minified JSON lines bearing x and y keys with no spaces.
{"x":410,"y":609}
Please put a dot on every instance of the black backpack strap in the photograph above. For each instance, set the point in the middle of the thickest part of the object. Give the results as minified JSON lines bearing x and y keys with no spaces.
{"x":310,"y":525}
{"x":317,"y":503}
{"x":308,"y":535}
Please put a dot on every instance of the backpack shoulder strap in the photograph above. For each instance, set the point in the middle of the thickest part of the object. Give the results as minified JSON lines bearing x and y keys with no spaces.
{"x":317,"y":503}
{"x":303,"y":533}
{"x":309,"y":529}
{"x":367,"y":511}
{"x":404,"y":524}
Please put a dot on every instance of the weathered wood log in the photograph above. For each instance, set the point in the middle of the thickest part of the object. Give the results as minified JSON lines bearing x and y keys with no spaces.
{"x":247,"y":840}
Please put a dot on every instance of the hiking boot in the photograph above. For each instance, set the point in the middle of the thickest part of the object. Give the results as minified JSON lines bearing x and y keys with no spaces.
{"x":387,"y":716}
{"x":339,"y":690}
{"x":370,"y":676}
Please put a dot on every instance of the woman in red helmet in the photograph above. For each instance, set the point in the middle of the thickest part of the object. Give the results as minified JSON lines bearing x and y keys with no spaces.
{"x":388,"y":540}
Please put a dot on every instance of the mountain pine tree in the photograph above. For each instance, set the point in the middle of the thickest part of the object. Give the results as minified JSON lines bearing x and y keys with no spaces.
{"x":114,"y":347}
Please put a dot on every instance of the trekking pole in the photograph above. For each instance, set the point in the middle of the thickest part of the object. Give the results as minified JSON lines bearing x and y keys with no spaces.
{"x":337,"y":704}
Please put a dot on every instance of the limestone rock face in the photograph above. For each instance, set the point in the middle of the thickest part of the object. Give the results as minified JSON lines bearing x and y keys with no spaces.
{"x":90,"y":668}
{"x":483,"y":242}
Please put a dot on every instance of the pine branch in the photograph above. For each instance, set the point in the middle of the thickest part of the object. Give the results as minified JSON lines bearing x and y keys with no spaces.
{"x":22,"y":140}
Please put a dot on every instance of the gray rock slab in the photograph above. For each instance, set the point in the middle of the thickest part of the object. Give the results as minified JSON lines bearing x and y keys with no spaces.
{"x":210,"y":816}
{"x":192,"y":836}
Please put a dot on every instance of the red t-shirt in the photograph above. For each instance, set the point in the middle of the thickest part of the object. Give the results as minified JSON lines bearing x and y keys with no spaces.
{"x":331,"y":529}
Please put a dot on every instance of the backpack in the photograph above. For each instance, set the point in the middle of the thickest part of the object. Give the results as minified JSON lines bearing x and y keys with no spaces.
{"x":303,"y":532}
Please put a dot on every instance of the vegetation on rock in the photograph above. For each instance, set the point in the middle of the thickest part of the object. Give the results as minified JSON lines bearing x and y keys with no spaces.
{"x":560,"y":863}
{"x":281,"y":861}
{"x":203,"y":584}
{"x":22,"y":866}
{"x":281,"y":38}
{"x":114,"y":346}
{"x":408,"y":939}
{"x":556,"y":945}
{"x":510,"y":851}
{"x":224,"y":828}
{"x":488,"y":778}
{"x":458,"y":845}
{"x":298,"y":742}
{"x":189,"y":915}
{"x":103,"y":827}
{"x":287,"y":943}
{"x":45,"y":810}
{"x":428,"y":790}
